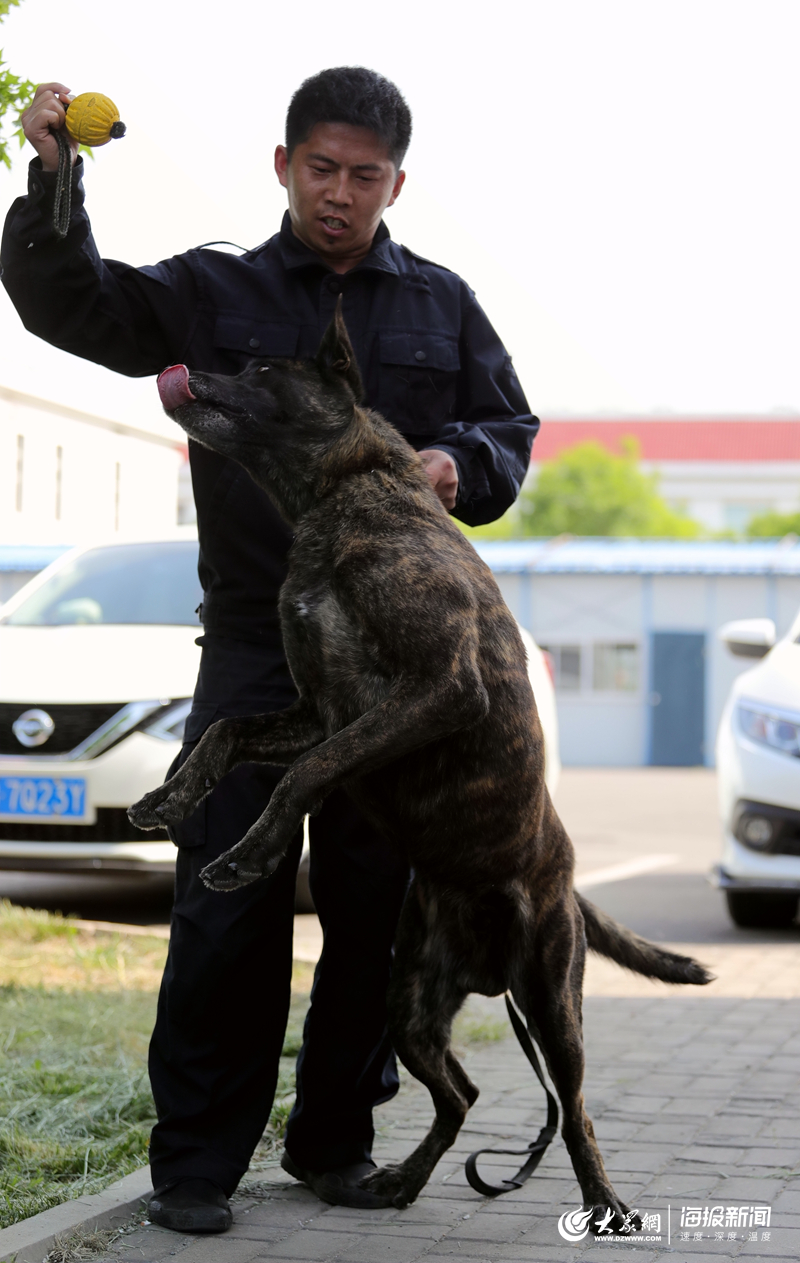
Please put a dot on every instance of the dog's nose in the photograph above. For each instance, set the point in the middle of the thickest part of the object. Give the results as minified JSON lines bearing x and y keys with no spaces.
{"x":173,"y":387}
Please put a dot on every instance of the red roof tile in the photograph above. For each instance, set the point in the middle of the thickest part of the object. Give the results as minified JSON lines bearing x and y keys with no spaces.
{"x":679,"y":439}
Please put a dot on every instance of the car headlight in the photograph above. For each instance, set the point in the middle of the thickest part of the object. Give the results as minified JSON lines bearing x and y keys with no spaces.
{"x":770,"y":728}
{"x":171,"y":722}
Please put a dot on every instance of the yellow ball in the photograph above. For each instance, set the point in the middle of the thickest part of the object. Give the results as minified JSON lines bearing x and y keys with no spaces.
{"x":94,"y":119}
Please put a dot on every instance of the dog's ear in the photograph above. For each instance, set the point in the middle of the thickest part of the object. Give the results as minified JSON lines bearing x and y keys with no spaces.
{"x":336,"y":357}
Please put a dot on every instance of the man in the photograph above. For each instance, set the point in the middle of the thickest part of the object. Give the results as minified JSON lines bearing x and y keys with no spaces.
{"x":435,"y":368}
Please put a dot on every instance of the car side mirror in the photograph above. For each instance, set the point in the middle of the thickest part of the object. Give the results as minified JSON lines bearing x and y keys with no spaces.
{"x":748,"y":637}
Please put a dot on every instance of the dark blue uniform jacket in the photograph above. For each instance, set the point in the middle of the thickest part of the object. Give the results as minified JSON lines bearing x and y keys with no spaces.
{"x":430,"y":361}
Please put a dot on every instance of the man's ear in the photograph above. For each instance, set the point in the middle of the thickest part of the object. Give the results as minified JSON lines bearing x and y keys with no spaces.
{"x":336,"y":357}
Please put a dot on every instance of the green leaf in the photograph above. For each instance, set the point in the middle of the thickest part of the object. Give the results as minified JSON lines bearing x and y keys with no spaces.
{"x":16,"y":95}
{"x":773,"y":525}
{"x":588,"y":490}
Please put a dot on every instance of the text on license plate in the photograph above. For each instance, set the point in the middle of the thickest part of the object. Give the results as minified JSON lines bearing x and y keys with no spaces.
{"x":42,"y":796}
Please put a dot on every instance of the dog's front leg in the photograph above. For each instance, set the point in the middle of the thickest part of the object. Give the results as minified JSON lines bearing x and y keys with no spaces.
{"x":277,"y":738}
{"x":403,"y":722}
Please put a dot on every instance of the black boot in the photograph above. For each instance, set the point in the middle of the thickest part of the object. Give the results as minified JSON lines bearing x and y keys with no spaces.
{"x":191,"y":1205}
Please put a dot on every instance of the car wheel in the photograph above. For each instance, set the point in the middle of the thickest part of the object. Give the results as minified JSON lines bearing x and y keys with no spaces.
{"x":756,"y":910}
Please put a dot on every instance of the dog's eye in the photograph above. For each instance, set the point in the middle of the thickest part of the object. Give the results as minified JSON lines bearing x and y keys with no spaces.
{"x":264,"y":368}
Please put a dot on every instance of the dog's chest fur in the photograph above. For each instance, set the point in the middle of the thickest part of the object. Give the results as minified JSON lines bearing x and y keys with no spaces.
{"x":328,"y":653}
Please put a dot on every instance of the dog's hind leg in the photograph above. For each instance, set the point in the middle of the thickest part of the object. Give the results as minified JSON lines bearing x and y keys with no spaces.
{"x":549,"y":989}
{"x":278,"y":738}
{"x":423,"y":1000}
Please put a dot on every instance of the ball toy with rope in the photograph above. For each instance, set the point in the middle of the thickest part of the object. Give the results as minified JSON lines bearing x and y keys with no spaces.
{"x":93,"y":120}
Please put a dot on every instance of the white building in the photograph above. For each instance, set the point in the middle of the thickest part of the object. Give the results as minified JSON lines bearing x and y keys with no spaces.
{"x":641,"y":677}
{"x":720,"y":471}
{"x":67,"y":477}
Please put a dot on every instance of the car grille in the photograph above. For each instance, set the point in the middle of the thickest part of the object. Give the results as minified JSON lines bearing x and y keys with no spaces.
{"x":112,"y":825}
{"x":74,"y":722}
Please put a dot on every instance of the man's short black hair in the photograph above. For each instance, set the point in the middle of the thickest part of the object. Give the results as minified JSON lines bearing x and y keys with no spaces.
{"x":354,"y":95}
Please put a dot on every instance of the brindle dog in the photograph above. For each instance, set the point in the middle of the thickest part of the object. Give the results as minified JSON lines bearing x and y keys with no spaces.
{"x":414,"y":696}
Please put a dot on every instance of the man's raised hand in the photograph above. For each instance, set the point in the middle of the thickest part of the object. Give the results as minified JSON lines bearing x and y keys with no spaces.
{"x":443,"y":474}
{"x":45,"y":116}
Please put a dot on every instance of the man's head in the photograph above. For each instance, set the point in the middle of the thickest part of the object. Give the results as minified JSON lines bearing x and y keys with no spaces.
{"x":352,"y":95}
{"x":347,"y":131}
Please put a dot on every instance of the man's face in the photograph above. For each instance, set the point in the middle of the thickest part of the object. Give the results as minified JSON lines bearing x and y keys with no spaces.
{"x":339,"y":181}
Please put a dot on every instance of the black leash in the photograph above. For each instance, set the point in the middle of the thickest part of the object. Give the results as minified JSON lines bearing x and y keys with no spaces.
{"x":62,"y":205}
{"x":537,"y":1148}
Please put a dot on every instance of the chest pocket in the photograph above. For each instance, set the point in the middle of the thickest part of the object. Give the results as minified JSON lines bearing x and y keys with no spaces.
{"x":238,"y":340}
{"x":418,"y":375}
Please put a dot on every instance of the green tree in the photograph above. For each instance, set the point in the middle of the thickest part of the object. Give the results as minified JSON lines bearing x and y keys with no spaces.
{"x":587,"y":490}
{"x":15,"y":94}
{"x":773,"y":525}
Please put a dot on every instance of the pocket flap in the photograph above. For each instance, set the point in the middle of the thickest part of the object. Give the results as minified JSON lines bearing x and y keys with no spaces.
{"x":419,"y":349}
{"x":200,"y":717}
{"x":253,"y":337}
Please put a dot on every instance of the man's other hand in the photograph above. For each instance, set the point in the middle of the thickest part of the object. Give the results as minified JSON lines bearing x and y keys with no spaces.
{"x":442,"y":471}
{"x":43,"y":117}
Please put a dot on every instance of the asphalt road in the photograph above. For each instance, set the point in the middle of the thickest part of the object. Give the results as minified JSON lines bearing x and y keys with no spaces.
{"x":620,"y":820}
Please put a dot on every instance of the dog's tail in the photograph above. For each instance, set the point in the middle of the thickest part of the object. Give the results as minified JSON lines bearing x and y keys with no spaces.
{"x":607,"y":937}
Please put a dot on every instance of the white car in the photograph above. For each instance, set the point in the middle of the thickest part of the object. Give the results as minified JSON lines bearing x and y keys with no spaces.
{"x":758,"y":766}
{"x":98,"y":664}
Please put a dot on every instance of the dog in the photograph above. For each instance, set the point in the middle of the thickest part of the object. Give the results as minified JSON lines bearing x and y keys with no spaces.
{"x":414,"y":697}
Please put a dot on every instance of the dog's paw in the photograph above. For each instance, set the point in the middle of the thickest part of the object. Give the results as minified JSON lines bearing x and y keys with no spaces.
{"x":631,"y":1219}
{"x":168,"y":804}
{"x":389,"y":1183}
{"x":614,"y":1217}
{"x":152,"y":811}
{"x":226,"y":874}
{"x":229,"y":873}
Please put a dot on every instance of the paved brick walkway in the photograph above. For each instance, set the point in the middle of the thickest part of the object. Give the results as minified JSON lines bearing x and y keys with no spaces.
{"x":695,"y":1099}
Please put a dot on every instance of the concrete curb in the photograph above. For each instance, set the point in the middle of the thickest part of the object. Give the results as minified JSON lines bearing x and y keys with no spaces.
{"x":30,"y":1240}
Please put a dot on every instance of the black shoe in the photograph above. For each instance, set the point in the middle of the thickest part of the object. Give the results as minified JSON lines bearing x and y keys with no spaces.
{"x":339,"y":1187}
{"x":192,"y":1205}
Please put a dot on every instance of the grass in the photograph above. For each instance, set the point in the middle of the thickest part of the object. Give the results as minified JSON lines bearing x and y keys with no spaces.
{"x":477,"y":1028}
{"x":76,"y":1012}
{"x":81,"y":1247}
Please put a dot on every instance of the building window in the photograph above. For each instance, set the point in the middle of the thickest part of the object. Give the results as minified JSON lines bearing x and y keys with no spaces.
{"x":615,"y":668}
{"x":59,"y":464}
{"x":736,"y":516}
{"x":20,"y":472}
{"x":566,"y":661}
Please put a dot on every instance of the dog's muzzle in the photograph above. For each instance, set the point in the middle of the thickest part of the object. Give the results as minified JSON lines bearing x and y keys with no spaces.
{"x":173,"y":387}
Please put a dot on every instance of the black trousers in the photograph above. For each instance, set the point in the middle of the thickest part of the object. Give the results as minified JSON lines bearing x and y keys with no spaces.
{"x":224,"y":997}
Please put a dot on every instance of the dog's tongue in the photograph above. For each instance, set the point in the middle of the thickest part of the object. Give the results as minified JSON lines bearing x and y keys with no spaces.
{"x":173,"y":387}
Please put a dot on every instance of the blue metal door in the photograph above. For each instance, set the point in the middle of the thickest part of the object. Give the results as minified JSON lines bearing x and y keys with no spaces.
{"x":678,"y":699}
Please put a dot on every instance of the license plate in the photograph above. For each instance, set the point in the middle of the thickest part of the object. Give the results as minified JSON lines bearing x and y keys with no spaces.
{"x":42,"y":798}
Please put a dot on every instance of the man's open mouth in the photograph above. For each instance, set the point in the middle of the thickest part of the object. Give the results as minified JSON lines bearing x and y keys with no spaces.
{"x":333,"y":222}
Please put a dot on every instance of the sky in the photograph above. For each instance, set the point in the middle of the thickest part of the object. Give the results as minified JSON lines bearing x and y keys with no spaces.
{"x":616,"y":179}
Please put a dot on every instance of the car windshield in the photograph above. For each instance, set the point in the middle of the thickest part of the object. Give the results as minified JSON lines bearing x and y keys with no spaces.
{"x":122,"y":583}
